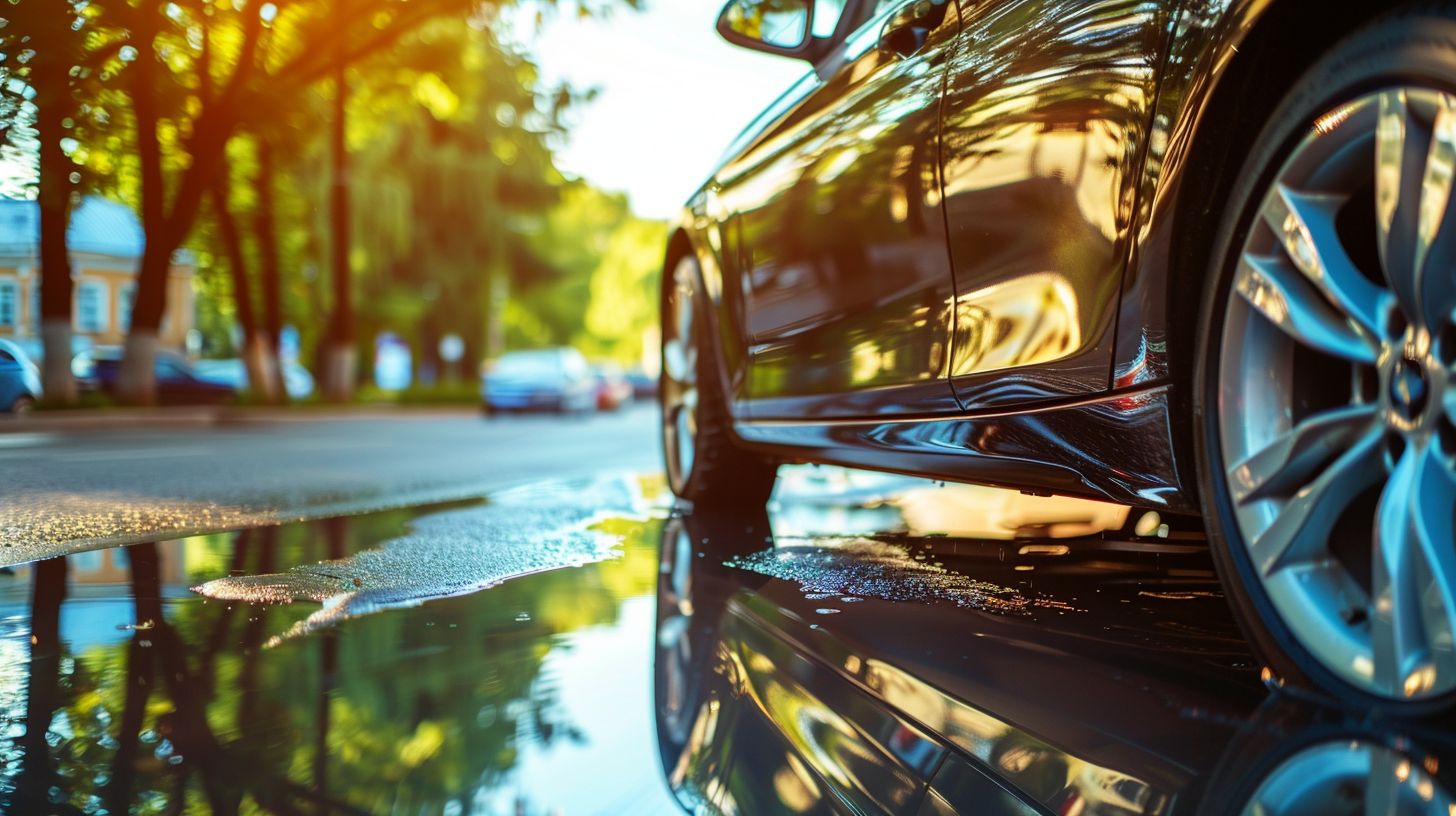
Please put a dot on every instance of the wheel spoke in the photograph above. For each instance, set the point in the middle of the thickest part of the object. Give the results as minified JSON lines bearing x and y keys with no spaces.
{"x":1284,"y":296}
{"x":680,"y":360}
{"x":1301,"y":530}
{"x":1413,"y":586}
{"x":690,"y":406}
{"x":1415,"y":161}
{"x":1397,"y":633}
{"x":1382,"y":786}
{"x":1436,"y":251}
{"x":1305,"y":225}
{"x":1294,"y":458}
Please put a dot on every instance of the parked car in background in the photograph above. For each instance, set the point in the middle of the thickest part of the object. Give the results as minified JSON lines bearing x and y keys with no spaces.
{"x":19,"y":379}
{"x":644,"y":385}
{"x":613,"y":389}
{"x":297,"y":380}
{"x":552,"y":379}
{"x":177,"y":384}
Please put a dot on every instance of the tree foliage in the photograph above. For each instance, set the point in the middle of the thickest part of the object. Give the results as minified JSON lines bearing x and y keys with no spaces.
{"x":461,"y":223}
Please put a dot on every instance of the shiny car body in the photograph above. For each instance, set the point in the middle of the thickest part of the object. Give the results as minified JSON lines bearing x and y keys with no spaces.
{"x":556,"y":379}
{"x":975,"y":254}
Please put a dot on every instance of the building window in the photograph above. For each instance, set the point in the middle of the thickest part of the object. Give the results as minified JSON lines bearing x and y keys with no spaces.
{"x":91,"y":307}
{"x":9,"y":304}
{"x":123,"y":306}
{"x":35,"y":304}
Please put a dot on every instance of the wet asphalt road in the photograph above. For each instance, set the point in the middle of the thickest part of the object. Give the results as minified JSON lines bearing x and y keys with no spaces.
{"x":575,"y":647}
{"x":65,"y":492}
{"x":511,"y":617}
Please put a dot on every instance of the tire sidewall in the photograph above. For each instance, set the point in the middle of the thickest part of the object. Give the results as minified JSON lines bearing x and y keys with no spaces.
{"x":1409,"y":49}
{"x":682,"y":484}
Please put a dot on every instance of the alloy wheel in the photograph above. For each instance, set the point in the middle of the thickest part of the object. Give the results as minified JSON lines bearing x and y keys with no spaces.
{"x":1336,"y":393}
{"x":680,"y":371}
{"x":1350,"y":776}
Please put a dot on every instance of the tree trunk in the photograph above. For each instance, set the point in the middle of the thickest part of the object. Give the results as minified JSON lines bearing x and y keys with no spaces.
{"x":31,"y":787}
{"x":52,"y":100}
{"x":495,"y":319}
{"x":340,"y":359}
{"x":264,"y":227}
{"x":166,"y":226}
{"x":261,"y":377}
{"x":137,"y":380}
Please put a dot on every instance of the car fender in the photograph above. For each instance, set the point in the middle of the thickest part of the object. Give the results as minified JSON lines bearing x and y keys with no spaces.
{"x":1217,"y":47}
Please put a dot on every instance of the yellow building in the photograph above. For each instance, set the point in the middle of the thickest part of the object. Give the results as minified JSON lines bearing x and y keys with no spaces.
{"x":106,"y":242}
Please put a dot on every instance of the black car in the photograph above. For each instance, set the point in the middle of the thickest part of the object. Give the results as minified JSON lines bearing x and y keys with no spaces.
{"x":177,"y":384}
{"x":1189,"y":256}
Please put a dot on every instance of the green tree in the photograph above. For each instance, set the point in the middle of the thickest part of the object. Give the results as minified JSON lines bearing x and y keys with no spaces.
{"x":49,"y":55}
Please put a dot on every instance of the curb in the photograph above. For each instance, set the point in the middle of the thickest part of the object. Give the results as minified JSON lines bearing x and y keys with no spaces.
{"x":83,"y":421}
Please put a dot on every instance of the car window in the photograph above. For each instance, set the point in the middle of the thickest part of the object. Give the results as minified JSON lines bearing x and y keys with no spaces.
{"x":528,"y":362}
{"x":575,"y":364}
{"x":826,"y":16}
{"x":8,"y":358}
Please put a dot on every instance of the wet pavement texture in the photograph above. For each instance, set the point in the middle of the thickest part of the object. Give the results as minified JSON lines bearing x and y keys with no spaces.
{"x":866,"y":644}
{"x":75,"y":491}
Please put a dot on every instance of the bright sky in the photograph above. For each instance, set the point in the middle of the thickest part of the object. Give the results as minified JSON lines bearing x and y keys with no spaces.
{"x":672,"y":96}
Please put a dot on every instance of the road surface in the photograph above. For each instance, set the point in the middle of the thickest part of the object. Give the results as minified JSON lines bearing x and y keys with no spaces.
{"x":69,"y":492}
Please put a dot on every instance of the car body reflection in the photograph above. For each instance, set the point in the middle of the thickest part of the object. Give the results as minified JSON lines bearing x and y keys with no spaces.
{"x":1120,"y":686}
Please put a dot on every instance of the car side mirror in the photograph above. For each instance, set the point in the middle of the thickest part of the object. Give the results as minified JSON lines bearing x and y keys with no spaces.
{"x":783,"y":27}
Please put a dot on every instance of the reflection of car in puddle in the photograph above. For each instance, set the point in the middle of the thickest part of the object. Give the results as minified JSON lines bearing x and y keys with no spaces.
{"x":1134,"y":697}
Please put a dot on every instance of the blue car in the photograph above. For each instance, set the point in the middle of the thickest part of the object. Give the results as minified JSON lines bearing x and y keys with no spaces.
{"x":19,"y":379}
{"x":553,"y":379}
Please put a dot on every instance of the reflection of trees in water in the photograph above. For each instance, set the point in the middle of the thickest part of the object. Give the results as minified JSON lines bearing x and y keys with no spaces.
{"x":190,"y":714}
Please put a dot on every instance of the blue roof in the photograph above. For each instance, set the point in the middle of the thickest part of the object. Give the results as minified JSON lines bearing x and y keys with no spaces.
{"x":99,"y":225}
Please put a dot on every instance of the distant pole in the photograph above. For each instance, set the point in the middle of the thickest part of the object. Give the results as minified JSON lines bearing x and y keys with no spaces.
{"x":339,"y":379}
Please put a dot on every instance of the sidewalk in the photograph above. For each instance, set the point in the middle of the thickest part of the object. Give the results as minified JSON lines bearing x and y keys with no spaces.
{"x":102,"y":419}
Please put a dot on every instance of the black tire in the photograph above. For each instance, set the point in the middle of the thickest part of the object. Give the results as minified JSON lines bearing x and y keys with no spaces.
{"x":22,"y":405}
{"x":1416,"y":45}
{"x":722,"y":471}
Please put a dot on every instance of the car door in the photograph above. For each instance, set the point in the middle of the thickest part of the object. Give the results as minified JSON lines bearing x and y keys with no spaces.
{"x":838,"y":234}
{"x":1047,"y":114}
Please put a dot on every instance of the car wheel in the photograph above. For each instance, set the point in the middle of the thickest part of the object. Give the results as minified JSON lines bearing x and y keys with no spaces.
{"x":704,"y":463}
{"x":22,"y":405}
{"x":1325,"y":398}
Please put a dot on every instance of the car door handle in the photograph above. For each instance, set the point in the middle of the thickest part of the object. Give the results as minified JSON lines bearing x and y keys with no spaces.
{"x":907,"y":30}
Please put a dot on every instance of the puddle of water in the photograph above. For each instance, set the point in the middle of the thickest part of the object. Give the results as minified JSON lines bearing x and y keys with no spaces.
{"x":122,"y":691}
{"x":459,"y":551}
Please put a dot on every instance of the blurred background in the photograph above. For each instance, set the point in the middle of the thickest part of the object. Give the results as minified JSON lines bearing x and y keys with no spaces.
{"x":215,"y":201}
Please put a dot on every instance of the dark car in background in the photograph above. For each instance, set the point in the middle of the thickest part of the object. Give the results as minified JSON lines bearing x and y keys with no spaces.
{"x":1195,"y":257}
{"x":551,"y":379}
{"x":20,"y":384}
{"x":644,"y":385}
{"x":100,"y":368}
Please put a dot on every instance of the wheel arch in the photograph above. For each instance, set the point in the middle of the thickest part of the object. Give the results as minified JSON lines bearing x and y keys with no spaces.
{"x":1257,"y":51}
{"x":1229,"y":66}
{"x":728,"y":348}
